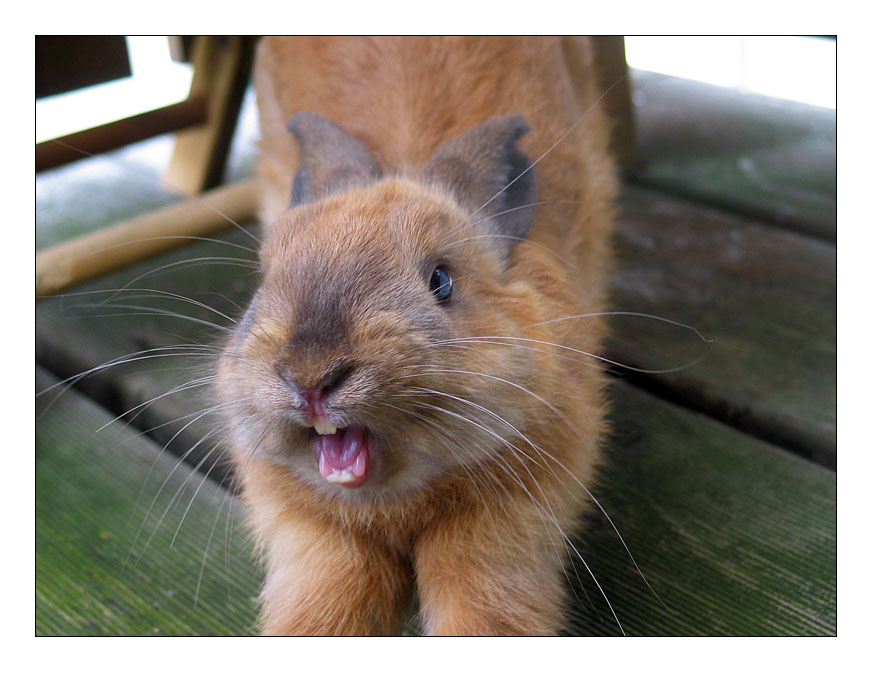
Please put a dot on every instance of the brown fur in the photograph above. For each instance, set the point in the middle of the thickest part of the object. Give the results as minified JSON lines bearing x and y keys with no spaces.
{"x":475,"y":529}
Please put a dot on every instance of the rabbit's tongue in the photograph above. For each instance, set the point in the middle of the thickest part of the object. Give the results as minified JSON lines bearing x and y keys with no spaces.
{"x":343,"y":456}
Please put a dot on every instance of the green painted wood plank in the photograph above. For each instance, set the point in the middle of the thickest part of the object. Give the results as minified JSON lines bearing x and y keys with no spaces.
{"x":736,"y":537}
{"x":768,"y":158}
{"x":766,"y":296}
{"x":105,"y":564}
{"x":162,"y":342}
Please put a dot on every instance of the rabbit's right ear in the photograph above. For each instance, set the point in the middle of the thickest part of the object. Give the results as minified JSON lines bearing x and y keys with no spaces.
{"x":331,"y":160}
{"x":488,"y":174}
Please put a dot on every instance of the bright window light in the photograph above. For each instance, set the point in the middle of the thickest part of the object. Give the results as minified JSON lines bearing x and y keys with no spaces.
{"x":156,"y":81}
{"x":801,"y":69}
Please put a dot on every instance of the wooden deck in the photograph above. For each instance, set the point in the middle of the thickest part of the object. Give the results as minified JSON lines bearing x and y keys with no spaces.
{"x":721,"y":476}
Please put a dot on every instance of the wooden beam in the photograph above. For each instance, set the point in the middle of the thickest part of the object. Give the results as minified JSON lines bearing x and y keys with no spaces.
{"x":612,"y":71}
{"x":776,"y":163}
{"x":105,"y":250}
{"x":221,"y":70}
{"x":63,"y":150}
{"x":766,"y":297}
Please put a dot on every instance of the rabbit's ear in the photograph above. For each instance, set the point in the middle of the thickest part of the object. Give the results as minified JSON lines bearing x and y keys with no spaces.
{"x":331,"y":160}
{"x":487,"y":173}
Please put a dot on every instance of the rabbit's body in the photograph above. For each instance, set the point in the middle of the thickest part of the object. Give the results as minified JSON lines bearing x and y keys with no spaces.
{"x":412,"y":302}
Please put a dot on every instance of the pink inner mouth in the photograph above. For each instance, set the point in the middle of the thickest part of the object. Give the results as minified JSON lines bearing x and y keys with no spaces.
{"x":343,"y":456}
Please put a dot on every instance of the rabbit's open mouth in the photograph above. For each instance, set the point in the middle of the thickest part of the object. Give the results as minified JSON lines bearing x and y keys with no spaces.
{"x":343,"y":455}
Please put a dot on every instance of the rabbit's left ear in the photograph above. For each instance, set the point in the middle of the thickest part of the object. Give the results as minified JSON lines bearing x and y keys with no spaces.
{"x":487,"y":174}
{"x":331,"y":159}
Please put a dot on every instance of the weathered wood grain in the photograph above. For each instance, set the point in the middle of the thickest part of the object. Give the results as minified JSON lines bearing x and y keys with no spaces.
{"x":767,"y":299}
{"x":771,"y":159}
{"x":736,"y":536}
{"x":108,"y":507}
{"x":158,"y":325}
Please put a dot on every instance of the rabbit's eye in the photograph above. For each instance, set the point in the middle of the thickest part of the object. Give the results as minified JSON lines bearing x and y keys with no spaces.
{"x":441,"y":284}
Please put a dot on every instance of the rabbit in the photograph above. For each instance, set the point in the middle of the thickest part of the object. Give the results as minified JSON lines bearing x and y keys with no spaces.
{"x":414,"y":406}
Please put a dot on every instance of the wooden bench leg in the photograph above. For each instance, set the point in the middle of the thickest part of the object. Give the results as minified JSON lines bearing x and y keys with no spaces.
{"x":611,"y":65}
{"x":221,"y":72}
